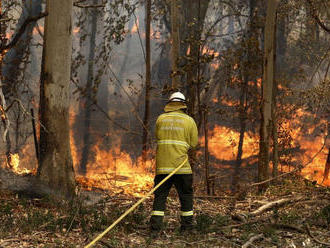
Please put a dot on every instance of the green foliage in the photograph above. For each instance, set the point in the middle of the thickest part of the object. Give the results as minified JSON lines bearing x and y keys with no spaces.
{"x":325,"y":213}
{"x":221,"y":220}
{"x":203,"y":223}
{"x":290,"y":217}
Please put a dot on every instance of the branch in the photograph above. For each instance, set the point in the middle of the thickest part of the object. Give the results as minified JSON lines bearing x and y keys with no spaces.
{"x":273,"y":204}
{"x":316,"y":17}
{"x":252,"y":239}
{"x":5,"y":20}
{"x":21,"y":31}
{"x":314,"y":238}
{"x":89,"y":6}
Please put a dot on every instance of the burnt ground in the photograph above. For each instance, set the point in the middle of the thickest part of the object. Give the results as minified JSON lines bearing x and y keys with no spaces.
{"x":302,"y":219}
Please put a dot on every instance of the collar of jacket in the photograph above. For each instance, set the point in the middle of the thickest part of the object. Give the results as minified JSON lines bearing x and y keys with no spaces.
{"x":174,"y":106}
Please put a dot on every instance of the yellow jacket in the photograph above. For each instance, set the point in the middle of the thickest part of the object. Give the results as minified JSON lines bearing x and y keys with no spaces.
{"x":176,"y":133}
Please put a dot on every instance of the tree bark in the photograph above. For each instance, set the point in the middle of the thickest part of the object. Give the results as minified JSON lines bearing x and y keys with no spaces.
{"x":274,"y":131}
{"x":175,"y":38}
{"x":89,"y":95}
{"x":56,"y":169}
{"x":327,"y":167}
{"x":206,"y":152}
{"x":267,"y":92}
{"x":243,"y":104}
{"x":193,"y":23}
{"x":148,"y":83}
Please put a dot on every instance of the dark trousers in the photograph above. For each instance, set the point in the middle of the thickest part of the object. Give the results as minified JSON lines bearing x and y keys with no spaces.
{"x":183,"y":185}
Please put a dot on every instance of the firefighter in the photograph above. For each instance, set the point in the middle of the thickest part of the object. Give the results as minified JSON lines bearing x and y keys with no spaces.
{"x":176,"y":133}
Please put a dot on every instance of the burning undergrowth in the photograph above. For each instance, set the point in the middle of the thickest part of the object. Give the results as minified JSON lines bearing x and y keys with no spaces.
{"x":113,"y":168}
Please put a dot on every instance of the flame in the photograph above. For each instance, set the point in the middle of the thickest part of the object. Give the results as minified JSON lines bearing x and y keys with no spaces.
{"x":76,"y":30}
{"x":136,"y":26}
{"x":13,"y":164}
{"x":2,"y":113}
{"x":223,"y":144}
{"x":114,"y":170}
{"x":210,"y":52}
{"x":229,"y":103}
{"x":38,"y":30}
{"x":9,"y":35}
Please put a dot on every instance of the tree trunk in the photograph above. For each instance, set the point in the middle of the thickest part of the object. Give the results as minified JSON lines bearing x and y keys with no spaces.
{"x":175,"y":38}
{"x":206,"y":152}
{"x":194,"y":10}
{"x":15,"y":56}
{"x":326,"y":168}
{"x":56,"y":169}
{"x":274,"y":130}
{"x":243,"y":105}
{"x":148,"y":83}
{"x":89,"y":96}
{"x":267,"y":92}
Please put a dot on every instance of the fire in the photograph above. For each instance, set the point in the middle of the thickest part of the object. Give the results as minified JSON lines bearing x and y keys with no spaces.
{"x":228,"y":103}
{"x":76,"y":30}
{"x":2,"y":113}
{"x":13,"y":164}
{"x":223,"y":144}
{"x":135,"y":27}
{"x":9,"y":35}
{"x":114,"y":170}
{"x":210,"y":52}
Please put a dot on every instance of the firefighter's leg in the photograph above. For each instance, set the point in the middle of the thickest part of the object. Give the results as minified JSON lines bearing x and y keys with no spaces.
{"x":184,"y":186}
{"x":157,"y":215}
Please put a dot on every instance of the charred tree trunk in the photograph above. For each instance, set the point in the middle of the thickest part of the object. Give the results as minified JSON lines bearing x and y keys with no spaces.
{"x":274,"y":130}
{"x":267,"y":94}
{"x":243,"y":105}
{"x":206,"y":152}
{"x":56,"y":168}
{"x":326,"y":167}
{"x":175,"y":37}
{"x":89,"y":95}
{"x":148,"y":83}
{"x":243,"y":108}
{"x":194,"y":10}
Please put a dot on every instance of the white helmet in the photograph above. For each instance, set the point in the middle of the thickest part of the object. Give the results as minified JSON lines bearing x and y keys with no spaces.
{"x":177,"y":97}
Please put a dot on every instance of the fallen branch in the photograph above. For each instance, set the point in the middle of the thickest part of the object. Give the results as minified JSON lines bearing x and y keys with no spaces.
{"x":314,"y":238}
{"x":245,"y":223}
{"x":252,"y":239}
{"x":286,"y":227}
{"x":273,"y":204}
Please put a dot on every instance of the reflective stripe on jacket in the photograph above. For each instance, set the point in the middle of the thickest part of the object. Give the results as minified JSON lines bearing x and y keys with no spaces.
{"x":176,"y":133}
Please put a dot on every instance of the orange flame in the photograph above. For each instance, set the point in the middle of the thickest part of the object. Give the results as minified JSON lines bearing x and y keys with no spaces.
{"x":2,"y":113}
{"x":136,"y":26}
{"x":13,"y":164}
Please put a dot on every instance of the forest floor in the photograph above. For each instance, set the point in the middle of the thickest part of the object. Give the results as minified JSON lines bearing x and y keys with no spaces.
{"x":293,"y":213}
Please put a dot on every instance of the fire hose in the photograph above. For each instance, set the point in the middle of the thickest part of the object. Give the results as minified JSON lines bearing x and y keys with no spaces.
{"x":135,"y":205}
